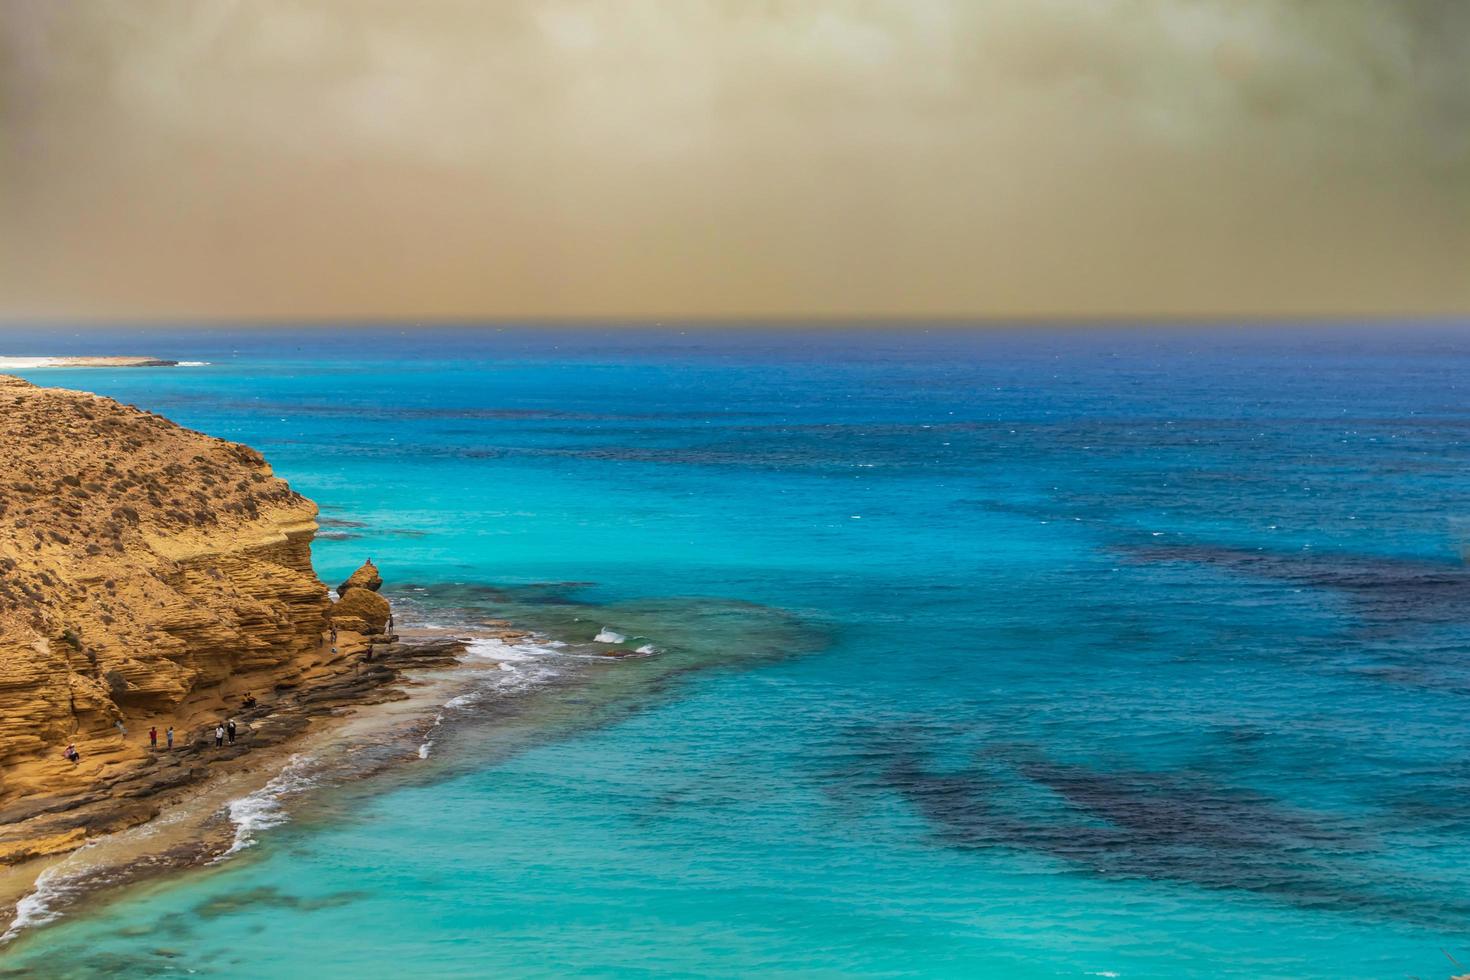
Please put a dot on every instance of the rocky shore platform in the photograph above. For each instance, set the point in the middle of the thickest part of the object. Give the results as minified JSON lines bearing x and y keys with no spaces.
{"x":49,"y":824}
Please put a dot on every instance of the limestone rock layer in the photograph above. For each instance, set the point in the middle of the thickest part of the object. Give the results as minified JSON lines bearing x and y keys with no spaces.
{"x":148,"y":575}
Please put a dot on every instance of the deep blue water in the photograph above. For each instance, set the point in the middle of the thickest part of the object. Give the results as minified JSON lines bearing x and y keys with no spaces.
{"x":1034,"y":652}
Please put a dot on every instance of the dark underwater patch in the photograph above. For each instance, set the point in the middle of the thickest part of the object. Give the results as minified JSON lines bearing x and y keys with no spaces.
{"x":467,"y":598}
{"x":269,"y":896}
{"x":1183,"y":826}
{"x":341,"y":529}
{"x":1386,"y":592}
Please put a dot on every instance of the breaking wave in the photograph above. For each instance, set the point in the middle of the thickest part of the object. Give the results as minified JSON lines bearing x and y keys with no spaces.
{"x":520,"y":665}
{"x":264,"y":808}
{"x":54,"y":886}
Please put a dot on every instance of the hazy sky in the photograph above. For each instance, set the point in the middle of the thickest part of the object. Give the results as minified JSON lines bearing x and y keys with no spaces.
{"x":492,"y":158}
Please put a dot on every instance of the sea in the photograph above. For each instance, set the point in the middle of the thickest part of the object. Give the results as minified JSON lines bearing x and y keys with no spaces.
{"x":1072,"y":650}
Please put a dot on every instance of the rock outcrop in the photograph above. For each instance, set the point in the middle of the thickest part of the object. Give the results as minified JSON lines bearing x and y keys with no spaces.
{"x":359,"y":608}
{"x":361,"y":611}
{"x":367,"y":577}
{"x":149,"y":575}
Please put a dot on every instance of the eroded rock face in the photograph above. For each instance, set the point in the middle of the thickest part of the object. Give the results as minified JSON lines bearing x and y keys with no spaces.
{"x":144,"y":568}
{"x":366,"y":577}
{"x":361,"y":611}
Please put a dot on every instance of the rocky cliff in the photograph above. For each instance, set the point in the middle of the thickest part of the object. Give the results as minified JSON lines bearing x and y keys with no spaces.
{"x":149,"y":575}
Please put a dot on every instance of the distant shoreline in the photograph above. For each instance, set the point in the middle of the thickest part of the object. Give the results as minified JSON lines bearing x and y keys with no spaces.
{"x":27,"y":363}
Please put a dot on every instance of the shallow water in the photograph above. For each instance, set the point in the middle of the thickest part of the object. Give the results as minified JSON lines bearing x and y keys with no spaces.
{"x":1055,"y":653}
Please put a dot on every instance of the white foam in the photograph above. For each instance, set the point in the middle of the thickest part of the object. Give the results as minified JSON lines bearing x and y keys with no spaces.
{"x":606,"y":635}
{"x":193,"y":364}
{"x":53,"y":886}
{"x":647,"y":648}
{"x":527,"y":661}
{"x":428,"y":743}
{"x":504,"y":651}
{"x":263,"y":809}
{"x":513,"y":655}
{"x":72,"y":875}
{"x":35,"y":909}
{"x":519,"y":665}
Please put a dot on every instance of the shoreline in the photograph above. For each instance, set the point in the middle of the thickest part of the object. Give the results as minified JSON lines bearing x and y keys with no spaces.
{"x":143,"y":599}
{"x":524,"y":668}
{"x":390,"y":707}
{"x":8,"y":363}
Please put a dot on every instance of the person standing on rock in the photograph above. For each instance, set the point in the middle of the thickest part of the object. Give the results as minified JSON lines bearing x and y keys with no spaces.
{"x":153,"y":737}
{"x":170,"y":736}
{"x":230,"y":729}
{"x":219,"y":735}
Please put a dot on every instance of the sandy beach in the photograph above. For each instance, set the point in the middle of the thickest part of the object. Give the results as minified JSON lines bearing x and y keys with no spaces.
{"x":8,"y":363}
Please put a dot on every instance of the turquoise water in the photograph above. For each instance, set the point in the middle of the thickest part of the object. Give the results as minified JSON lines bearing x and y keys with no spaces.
{"x":983,"y":653}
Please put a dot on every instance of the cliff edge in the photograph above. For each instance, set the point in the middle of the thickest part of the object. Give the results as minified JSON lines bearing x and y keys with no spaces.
{"x":149,"y":576}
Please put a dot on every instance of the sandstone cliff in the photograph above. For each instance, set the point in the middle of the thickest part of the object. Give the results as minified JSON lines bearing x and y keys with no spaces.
{"x":149,"y":575}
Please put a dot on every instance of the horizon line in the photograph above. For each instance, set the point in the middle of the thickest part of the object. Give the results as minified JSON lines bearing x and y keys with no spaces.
{"x":877,"y":321}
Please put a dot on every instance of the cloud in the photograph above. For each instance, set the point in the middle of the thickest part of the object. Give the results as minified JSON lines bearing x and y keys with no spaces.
{"x":732,"y":157}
